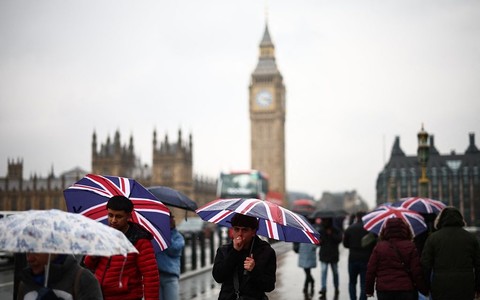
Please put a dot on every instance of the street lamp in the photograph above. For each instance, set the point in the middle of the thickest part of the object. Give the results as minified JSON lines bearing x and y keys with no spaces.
{"x":422,"y":155}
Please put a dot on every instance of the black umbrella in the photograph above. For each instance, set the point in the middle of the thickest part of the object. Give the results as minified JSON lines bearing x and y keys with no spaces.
{"x":327,"y":213}
{"x":172,"y":197}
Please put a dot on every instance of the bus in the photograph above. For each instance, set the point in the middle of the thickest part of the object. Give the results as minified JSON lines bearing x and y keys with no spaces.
{"x":243,"y":184}
{"x":247,"y":184}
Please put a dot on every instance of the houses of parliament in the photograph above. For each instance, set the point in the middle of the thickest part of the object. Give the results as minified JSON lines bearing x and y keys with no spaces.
{"x":171,"y":166}
{"x":172,"y":160}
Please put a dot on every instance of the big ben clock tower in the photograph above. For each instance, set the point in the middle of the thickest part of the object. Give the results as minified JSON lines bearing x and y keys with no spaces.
{"x":267,"y":117}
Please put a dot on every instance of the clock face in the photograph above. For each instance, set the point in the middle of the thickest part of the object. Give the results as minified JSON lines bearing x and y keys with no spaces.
{"x":264,"y":98}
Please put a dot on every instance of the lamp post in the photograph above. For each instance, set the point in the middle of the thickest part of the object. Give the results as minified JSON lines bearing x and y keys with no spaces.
{"x":422,"y":155}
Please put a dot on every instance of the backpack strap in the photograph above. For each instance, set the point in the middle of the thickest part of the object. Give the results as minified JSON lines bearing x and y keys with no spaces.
{"x":407,"y":268}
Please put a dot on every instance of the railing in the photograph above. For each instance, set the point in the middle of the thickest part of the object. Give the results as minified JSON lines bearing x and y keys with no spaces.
{"x":198,"y":248}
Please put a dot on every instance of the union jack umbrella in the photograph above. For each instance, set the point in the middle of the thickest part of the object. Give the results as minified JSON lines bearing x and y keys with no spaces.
{"x":89,"y":196}
{"x":374,"y":220}
{"x":275,"y":222}
{"x":421,"y":205}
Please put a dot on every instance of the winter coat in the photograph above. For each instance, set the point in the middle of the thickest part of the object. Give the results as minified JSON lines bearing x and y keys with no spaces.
{"x":452,"y":256}
{"x":168,"y":260}
{"x":385,"y":267}
{"x":67,"y":279}
{"x":131,"y":277}
{"x":254,"y":284}
{"x":352,"y":239}
{"x":330,"y":238}
{"x":307,"y":255}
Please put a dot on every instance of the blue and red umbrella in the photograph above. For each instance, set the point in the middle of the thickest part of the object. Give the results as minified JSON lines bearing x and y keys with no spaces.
{"x":275,"y":222}
{"x":421,"y":205}
{"x":89,"y":196}
{"x":374,"y":220}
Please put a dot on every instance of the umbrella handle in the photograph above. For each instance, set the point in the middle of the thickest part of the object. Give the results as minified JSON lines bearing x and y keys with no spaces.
{"x":47,"y":270}
{"x":245,"y":272}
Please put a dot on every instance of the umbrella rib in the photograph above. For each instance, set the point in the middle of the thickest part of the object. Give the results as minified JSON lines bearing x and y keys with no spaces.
{"x":142,"y":220}
{"x":220,"y":216}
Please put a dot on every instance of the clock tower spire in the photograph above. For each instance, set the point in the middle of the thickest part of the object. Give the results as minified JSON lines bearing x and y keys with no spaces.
{"x":267,"y":117}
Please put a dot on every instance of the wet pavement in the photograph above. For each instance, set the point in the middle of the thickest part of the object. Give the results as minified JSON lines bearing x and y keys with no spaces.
{"x":289,"y":284}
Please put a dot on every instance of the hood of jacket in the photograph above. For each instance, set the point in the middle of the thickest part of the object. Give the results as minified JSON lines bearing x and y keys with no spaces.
{"x":396,"y":228}
{"x":449,"y":217}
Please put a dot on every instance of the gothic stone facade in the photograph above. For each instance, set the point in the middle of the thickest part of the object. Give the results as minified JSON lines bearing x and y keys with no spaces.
{"x":172,"y":166}
{"x":17,"y":193}
{"x":453,"y":178}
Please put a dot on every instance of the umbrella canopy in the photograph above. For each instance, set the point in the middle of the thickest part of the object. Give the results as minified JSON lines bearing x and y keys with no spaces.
{"x":304,"y":207}
{"x":173,"y":197}
{"x":374,"y":220}
{"x":327,"y":213}
{"x":421,"y":205}
{"x":275,"y":222}
{"x":56,"y":231}
{"x":89,"y":196}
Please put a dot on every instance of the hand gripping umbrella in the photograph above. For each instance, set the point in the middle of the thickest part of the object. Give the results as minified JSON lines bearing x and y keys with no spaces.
{"x":275,"y":222}
{"x":89,"y":196}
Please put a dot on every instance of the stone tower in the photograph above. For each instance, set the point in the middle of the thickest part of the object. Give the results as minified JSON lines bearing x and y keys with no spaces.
{"x":15,"y":169}
{"x":113,"y":158}
{"x":267,"y":116}
{"x":173,"y":164}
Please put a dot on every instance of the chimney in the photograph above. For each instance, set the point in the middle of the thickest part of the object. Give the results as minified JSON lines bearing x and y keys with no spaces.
{"x":472,"y":148}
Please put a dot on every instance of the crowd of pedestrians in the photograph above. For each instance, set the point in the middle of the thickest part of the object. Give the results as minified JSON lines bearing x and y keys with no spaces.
{"x":441,"y":264}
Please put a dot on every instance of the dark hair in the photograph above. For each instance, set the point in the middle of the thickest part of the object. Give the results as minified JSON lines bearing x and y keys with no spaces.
{"x":244,"y":221}
{"x":120,"y":203}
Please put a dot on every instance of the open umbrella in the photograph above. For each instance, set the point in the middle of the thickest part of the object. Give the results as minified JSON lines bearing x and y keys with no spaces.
{"x":89,"y":196}
{"x":173,"y":197}
{"x":58,"y":232}
{"x":421,"y":205}
{"x":374,"y":220}
{"x":303,"y":207}
{"x":275,"y":222}
{"x":328,"y":213}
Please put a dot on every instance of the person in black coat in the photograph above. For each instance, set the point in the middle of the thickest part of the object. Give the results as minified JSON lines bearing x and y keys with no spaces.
{"x":248,"y":260}
{"x":330,"y":238}
{"x":358,"y":256}
{"x":451,"y":258}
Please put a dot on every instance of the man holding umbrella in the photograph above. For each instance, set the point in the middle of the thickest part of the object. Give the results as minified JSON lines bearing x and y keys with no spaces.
{"x":127,"y":277}
{"x":252,"y":260}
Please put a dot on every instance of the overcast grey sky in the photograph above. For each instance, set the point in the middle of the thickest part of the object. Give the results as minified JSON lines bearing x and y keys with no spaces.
{"x":357,"y":74}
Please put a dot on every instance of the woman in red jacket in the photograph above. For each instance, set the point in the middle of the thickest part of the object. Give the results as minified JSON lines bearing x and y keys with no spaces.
{"x":132,"y":277}
{"x":394,"y":265}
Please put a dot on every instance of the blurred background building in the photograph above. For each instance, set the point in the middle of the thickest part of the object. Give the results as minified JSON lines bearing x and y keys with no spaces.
{"x":453,"y":178}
